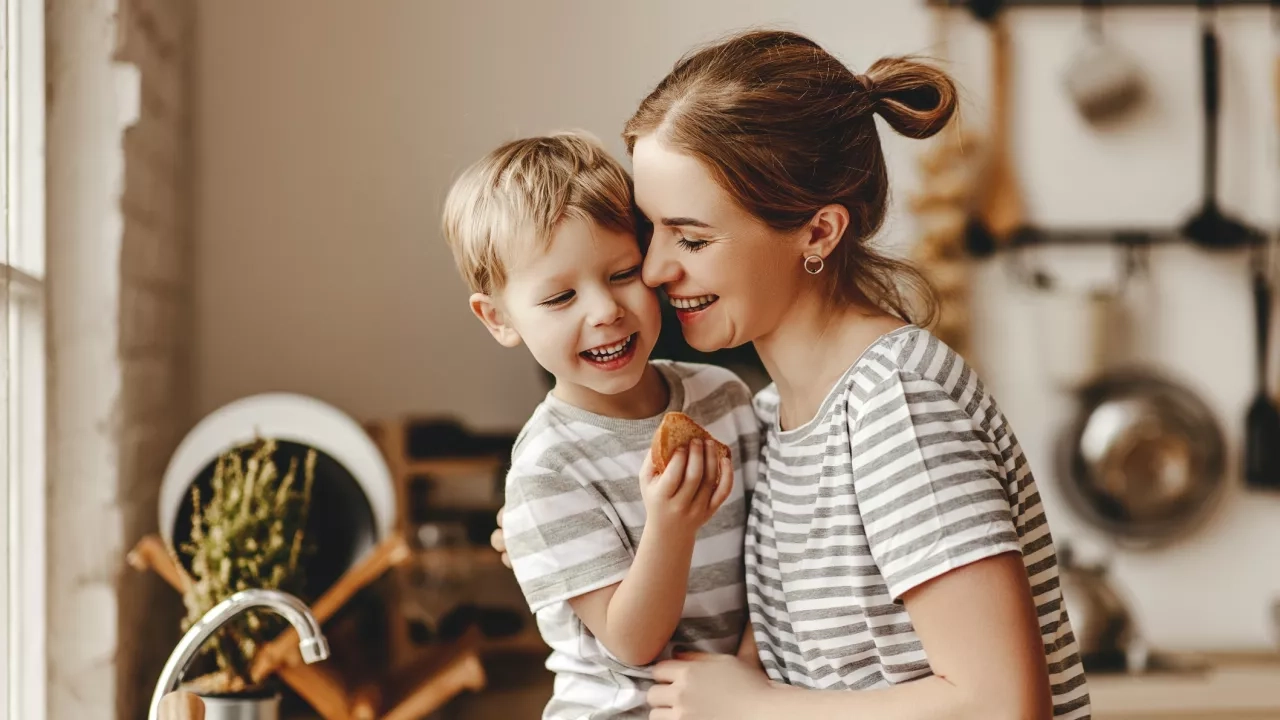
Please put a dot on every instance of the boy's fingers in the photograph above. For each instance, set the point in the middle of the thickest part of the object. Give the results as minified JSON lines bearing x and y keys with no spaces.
{"x":726,"y":484}
{"x":692,"y":472}
{"x":669,"y":483}
{"x":646,"y":467}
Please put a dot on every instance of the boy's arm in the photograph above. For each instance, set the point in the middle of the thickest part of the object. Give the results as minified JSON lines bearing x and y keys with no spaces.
{"x":636,"y":618}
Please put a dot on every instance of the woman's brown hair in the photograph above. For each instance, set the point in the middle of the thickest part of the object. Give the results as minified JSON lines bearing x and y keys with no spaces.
{"x":787,"y":129}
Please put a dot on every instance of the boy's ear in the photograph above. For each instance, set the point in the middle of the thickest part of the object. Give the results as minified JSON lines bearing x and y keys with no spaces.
{"x":495,"y":320}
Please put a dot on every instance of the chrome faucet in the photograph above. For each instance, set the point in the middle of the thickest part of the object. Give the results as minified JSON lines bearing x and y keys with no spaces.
{"x":311,"y":642}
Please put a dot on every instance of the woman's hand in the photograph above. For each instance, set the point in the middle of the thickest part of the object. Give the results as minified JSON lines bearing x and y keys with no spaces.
{"x":499,"y":541}
{"x":699,"y":686}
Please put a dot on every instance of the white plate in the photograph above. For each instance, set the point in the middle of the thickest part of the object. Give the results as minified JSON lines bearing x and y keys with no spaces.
{"x":285,"y":417}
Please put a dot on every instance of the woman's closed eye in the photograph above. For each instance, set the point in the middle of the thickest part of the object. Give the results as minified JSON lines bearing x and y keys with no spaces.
{"x":691,"y":245}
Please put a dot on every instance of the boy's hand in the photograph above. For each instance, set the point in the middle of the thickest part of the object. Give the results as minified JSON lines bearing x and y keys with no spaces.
{"x":688,"y":493}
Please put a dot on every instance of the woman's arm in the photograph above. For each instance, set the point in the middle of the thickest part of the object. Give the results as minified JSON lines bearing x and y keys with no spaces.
{"x":979,"y":629}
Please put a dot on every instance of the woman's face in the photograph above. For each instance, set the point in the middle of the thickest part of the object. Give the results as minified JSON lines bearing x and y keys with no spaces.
{"x":730,"y":277}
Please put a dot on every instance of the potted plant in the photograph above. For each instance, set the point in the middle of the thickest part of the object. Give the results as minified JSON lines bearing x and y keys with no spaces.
{"x":248,"y":533}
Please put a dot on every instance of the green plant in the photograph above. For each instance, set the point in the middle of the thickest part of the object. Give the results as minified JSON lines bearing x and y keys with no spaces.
{"x":248,"y":534}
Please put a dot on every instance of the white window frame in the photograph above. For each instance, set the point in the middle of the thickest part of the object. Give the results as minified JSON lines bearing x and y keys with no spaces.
{"x":23,"y":675}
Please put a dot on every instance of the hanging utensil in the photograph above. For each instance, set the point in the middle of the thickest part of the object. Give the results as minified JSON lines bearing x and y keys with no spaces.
{"x":1103,"y":81}
{"x":1262,"y":424}
{"x":998,"y":214}
{"x":1210,"y":228}
{"x":1100,"y":617}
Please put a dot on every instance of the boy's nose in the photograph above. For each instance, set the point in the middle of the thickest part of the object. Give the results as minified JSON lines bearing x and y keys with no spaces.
{"x":606,"y":310}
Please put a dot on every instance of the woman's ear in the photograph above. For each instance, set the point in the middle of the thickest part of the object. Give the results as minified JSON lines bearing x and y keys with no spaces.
{"x":825,"y":230}
{"x":495,"y":319}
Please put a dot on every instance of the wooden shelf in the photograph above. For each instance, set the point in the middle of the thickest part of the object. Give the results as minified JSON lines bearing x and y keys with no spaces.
{"x":451,"y":466}
{"x":477,"y":556}
{"x":526,"y":642}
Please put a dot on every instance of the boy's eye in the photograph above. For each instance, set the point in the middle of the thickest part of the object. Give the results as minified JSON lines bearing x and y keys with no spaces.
{"x":560,"y":299}
{"x":692,"y":245}
{"x":627,"y":274}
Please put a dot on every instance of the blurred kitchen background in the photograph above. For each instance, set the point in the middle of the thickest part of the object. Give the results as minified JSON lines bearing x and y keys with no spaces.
{"x":234,"y":233}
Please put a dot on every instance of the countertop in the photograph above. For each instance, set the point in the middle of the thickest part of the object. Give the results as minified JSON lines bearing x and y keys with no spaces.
{"x":1233,"y":686}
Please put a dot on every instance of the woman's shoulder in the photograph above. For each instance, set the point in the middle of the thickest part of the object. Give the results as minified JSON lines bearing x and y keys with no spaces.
{"x":911,"y":355}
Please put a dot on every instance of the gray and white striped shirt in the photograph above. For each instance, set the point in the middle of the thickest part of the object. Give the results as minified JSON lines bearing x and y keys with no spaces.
{"x":573,"y":521}
{"x":907,"y":471}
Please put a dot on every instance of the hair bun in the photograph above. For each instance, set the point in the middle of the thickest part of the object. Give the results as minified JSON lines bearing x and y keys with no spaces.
{"x":915,"y":98}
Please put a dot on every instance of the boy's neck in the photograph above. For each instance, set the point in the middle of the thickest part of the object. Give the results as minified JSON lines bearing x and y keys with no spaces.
{"x":647,"y":398}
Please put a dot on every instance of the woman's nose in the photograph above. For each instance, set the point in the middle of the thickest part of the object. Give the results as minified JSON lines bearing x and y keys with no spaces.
{"x":659,"y":267}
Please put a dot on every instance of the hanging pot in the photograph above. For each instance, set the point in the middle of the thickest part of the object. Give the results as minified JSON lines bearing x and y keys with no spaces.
{"x":1103,"y":81}
{"x":1143,"y":459}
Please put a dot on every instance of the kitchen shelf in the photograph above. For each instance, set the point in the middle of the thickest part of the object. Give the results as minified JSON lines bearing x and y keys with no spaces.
{"x":1108,"y":3}
{"x":1116,"y":237}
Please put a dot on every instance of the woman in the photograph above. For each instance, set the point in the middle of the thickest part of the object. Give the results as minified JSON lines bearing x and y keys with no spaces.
{"x":896,"y":543}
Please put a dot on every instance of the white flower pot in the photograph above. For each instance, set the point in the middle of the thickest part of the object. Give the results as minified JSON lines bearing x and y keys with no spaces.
{"x":242,"y":708}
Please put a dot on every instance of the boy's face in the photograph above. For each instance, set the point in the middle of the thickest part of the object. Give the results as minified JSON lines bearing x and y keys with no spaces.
{"x":581,"y":308}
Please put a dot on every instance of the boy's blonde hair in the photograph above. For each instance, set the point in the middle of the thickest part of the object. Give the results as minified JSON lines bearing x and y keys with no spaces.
{"x":510,"y":202}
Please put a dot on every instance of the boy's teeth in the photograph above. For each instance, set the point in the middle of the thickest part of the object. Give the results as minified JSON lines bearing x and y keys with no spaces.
{"x":607,"y":350}
{"x":692,"y":303}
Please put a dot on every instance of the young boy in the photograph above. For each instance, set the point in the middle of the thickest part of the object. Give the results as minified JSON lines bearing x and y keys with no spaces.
{"x":544,"y":232}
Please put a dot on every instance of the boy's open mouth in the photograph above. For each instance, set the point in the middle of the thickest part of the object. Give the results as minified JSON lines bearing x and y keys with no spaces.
{"x":611,"y":353}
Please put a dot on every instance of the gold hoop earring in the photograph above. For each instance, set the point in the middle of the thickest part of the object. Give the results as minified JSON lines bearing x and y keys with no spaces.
{"x":810,"y":267}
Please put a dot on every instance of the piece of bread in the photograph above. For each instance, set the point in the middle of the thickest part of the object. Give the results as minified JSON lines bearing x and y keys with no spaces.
{"x":676,"y":430}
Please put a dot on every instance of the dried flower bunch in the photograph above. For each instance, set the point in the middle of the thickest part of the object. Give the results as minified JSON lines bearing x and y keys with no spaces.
{"x":249,"y":534}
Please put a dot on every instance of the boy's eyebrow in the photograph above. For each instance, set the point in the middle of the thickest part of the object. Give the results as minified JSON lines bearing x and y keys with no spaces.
{"x":684,"y":222}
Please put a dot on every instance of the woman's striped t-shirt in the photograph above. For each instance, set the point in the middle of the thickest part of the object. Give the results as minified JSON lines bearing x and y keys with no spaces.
{"x":908,"y":470}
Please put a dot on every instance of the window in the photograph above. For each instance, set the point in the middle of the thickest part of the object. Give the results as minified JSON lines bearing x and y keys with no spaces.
{"x":22,"y":362}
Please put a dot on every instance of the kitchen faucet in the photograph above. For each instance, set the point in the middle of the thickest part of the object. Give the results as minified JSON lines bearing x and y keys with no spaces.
{"x":311,"y":641}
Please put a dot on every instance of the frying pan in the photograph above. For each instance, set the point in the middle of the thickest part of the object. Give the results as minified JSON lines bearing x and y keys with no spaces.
{"x":1143,"y":459}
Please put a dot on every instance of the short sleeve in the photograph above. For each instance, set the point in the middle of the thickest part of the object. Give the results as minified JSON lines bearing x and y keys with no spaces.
{"x":562,"y":535}
{"x":929,"y":486}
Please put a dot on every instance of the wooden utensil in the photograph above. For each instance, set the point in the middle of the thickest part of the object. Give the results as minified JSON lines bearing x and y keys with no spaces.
{"x":942,"y":209}
{"x":999,"y":212}
{"x":181,"y":705}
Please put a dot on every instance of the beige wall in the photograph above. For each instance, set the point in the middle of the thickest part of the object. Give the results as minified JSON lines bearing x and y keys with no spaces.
{"x":329,"y":131}
{"x":120,"y":318}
